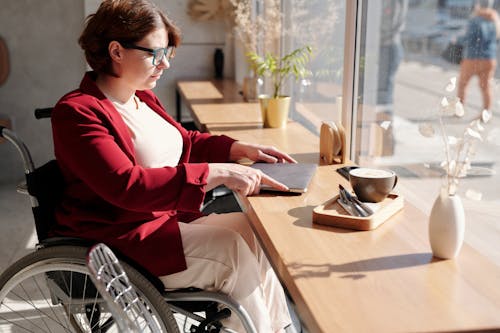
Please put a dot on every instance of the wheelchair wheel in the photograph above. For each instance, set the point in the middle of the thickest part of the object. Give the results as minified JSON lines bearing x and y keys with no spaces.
{"x":50,"y":290}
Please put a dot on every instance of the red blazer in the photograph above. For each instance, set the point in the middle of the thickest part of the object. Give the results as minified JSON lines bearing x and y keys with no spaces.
{"x":109,"y":197}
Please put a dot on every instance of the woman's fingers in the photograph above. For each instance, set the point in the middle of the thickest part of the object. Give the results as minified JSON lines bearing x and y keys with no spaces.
{"x":266,"y":180}
{"x":256,"y":152}
{"x":273,"y":155}
{"x":246,"y":180}
{"x":263,"y":157}
{"x":257,"y":177}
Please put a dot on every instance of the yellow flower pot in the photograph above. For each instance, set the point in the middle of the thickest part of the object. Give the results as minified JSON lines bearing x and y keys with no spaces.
{"x":274,"y":110}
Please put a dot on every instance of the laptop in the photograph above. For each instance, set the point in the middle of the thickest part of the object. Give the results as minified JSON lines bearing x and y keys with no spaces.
{"x":296,"y":176}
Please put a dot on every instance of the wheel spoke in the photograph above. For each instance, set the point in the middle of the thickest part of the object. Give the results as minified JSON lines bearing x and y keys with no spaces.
{"x":41,"y":313}
{"x":49,"y":305}
{"x":31,"y":302}
{"x":25,"y":318}
{"x":36,"y":296}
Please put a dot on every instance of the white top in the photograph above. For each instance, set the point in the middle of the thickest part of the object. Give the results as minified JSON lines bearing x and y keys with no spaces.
{"x":157,"y":143}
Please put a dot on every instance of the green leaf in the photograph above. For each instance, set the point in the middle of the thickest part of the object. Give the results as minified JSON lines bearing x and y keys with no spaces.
{"x":293,"y":63}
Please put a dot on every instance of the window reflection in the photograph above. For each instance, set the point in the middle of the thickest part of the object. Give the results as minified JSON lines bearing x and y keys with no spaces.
{"x":408,"y":52}
{"x":320,"y":24}
{"x":405,"y":66}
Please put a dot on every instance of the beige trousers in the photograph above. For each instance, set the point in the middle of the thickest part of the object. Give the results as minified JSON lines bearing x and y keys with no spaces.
{"x":222,"y":254}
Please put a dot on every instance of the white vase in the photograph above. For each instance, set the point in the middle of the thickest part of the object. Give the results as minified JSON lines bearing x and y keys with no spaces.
{"x":446,"y":226}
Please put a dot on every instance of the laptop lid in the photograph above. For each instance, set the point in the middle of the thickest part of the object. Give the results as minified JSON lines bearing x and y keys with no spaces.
{"x":296,"y":176}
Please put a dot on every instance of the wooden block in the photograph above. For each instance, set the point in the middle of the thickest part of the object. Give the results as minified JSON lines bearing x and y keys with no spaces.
{"x":332,"y":143}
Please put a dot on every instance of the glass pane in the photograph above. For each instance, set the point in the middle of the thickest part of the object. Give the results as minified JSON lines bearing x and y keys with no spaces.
{"x":319,"y":24}
{"x":408,"y":62}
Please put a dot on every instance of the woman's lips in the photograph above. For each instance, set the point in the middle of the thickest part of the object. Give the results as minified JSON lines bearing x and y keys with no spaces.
{"x":156,"y":76}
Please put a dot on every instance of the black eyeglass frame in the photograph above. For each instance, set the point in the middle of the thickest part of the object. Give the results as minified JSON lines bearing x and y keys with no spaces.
{"x":168,"y":52}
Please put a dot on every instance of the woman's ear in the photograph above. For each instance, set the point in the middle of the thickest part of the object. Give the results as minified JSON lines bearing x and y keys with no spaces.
{"x":115,"y":51}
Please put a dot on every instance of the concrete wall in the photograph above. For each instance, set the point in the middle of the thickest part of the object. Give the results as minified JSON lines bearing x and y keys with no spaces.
{"x":194,"y":58}
{"x":46,"y":62}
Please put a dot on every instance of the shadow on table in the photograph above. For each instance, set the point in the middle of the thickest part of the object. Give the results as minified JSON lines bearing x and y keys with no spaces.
{"x":357,"y":268}
{"x":303,"y":215}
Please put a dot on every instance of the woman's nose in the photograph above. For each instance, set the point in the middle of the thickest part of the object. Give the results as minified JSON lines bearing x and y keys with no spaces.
{"x":164,"y":64}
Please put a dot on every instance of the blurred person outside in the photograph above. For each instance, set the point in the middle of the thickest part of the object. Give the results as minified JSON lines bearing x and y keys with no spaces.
{"x":480,"y":49}
{"x":390,"y":56}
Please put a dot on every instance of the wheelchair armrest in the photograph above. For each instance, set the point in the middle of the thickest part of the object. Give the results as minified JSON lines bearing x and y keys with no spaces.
{"x":65,"y":241}
{"x":43,"y":113}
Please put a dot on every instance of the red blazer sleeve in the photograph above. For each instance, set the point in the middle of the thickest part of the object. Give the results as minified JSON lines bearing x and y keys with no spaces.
{"x":209,"y":148}
{"x":92,"y":148}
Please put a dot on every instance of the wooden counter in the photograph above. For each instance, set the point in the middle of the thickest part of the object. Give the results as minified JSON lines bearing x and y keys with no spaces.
{"x":216,"y":101}
{"x":384,"y":280}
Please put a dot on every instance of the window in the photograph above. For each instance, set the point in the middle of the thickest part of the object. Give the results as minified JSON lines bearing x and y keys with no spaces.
{"x":404,"y":69}
{"x":319,"y":24}
{"x":400,"y":67}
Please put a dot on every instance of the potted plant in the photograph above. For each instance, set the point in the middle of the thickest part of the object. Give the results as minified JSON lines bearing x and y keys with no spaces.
{"x":275,"y":107}
{"x":253,"y":28}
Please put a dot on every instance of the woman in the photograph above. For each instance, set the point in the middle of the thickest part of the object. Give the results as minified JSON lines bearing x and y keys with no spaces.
{"x":136,"y":179}
{"x":480,"y":51}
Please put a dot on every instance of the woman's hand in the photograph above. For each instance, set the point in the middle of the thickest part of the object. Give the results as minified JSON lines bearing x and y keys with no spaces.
{"x":256,"y":153}
{"x":239,"y":178}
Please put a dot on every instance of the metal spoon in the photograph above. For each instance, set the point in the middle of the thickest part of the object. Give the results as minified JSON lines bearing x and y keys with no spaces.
{"x":349,"y":199}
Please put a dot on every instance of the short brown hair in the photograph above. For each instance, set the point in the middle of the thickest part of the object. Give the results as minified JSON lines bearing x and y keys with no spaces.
{"x":125,"y":21}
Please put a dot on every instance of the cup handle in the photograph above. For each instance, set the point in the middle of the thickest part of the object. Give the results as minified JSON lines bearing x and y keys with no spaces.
{"x":395,"y":181}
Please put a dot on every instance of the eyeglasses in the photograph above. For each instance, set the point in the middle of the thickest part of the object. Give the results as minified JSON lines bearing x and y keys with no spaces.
{"x":158,"y":54}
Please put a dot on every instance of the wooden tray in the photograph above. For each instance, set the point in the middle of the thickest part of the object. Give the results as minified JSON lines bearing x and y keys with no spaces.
{"x":332,"y":213}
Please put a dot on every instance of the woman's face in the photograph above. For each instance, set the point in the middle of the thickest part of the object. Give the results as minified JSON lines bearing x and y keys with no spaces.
{"x":137,"y":68}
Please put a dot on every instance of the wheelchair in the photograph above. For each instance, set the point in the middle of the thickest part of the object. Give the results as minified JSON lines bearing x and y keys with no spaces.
{"x":51,"y":289}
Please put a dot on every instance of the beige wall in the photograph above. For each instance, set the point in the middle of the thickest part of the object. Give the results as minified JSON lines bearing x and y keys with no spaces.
{"x":46,"y":62}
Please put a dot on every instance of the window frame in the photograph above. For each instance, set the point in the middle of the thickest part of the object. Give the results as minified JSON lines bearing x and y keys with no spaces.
{"x":351,"y":70}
